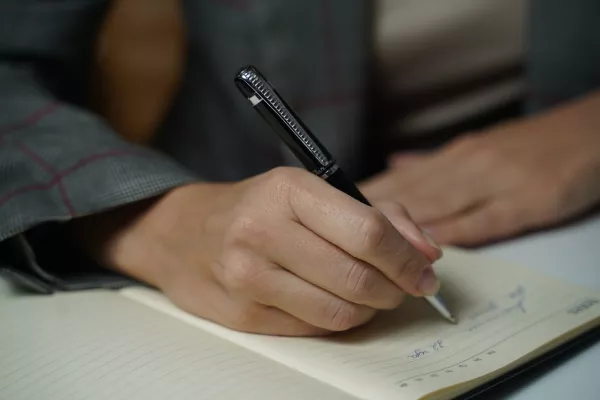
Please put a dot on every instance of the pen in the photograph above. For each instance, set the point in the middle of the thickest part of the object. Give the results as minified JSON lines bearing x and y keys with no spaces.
{"x":304,"y":145}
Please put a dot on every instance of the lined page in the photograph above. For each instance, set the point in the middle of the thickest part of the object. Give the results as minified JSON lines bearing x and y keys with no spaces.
{"x":505,"y":313}
{"x":100,"y":345}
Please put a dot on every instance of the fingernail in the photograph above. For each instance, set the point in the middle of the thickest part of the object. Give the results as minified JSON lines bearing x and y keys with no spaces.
{"x":432,"y":242}
{"x":428,"y":282}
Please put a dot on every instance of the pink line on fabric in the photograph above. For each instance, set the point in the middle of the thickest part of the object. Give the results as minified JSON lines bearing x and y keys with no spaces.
{"x":58,"y":177}
{"x":32,"y":119}
{"x":37,"y":159}
{"x":53,"y":172}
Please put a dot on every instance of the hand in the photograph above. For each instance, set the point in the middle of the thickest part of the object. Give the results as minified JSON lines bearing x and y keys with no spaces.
{"x":513,"y":178}
{"x":282,"y":253}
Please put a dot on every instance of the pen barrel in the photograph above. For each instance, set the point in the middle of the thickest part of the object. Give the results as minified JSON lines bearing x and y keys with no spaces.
{"x":340,"y":181}
{"x":284,"y":121}
{"x":300,"y":150}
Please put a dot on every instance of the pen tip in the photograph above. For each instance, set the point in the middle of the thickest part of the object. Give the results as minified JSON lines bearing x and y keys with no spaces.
{"x":453,"y":319}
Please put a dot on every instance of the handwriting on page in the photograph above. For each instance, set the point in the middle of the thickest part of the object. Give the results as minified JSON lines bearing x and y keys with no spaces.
{"x":584,"y":305}
{"x":418,"y":353}
{"x":505,"y":314}
{"x":513,"y":302}
{"x":492,"y":311}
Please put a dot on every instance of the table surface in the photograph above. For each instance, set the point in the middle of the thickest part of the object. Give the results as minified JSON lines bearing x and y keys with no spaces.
{"x":570,"y":253}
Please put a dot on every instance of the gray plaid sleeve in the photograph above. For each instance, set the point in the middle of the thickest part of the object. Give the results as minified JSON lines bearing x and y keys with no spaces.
{"x":59,"y":162}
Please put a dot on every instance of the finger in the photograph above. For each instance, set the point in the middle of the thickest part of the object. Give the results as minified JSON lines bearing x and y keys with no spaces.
{"x":402,"y":221}
{"x":322,"y":264}
{"x":255,"y":279}
{"x":440,"y":197}
{"x":439,"y":203}
{"x":447,"y":182}
{"x":492,"y":220}
{"x":242,"y":314}
{"x":361,"y":231}
{"x":421,"y":188}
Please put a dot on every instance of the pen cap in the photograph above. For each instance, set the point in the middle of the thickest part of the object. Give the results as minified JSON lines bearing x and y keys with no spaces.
{"x":284,"y":121}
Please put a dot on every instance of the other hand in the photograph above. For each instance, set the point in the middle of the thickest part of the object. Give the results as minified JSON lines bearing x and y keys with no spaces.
{"x":281,"y":253}
{"x":516,"y":177}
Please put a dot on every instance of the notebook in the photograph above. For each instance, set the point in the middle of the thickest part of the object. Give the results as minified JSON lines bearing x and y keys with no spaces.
{"x":135,"y":344}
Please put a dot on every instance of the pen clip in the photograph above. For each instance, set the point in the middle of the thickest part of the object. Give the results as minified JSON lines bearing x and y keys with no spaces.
{"x":258,"y":89}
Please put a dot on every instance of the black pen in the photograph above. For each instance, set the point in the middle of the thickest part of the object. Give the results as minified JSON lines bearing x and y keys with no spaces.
{"x":305,"y":146}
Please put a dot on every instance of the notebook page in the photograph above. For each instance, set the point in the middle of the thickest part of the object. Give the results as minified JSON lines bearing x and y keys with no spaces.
{"x":100,"y":345}
{"x":505,"y":313}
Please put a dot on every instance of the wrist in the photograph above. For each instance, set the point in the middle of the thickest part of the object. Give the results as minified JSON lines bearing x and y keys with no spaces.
{"x":132,"y":239}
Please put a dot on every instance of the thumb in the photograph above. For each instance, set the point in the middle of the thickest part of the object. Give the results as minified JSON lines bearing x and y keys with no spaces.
{"x":400,"y":218}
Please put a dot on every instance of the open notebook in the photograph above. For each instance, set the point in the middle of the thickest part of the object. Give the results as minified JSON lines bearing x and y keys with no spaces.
{"x":134,"y":344}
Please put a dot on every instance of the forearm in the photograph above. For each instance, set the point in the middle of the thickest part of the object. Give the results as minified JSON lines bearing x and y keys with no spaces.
{"x":60,"y":163}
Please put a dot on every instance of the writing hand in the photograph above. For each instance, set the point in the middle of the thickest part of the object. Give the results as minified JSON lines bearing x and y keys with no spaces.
{"x":281,"y":253}
{"x":516,"y":177}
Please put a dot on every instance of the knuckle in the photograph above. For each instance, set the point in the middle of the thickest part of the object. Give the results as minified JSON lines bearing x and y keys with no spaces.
{"x":246,"y":229}
{"x":372,"y":231}
{"x":284,"y":177}
{"x":341,"y":315}
{"x":239,"y":274}
{"x":360,"y":281}
{"x":281,"y":181}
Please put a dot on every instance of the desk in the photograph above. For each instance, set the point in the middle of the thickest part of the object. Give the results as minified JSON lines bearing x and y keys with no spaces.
{"x":570,"y":253}
{"x":7,"y":289}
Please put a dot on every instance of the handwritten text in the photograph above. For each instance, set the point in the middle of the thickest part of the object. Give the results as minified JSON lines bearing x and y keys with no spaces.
{"x":582,"y":306}
{"x":516,"y":300}
{"x":418,"y":353}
